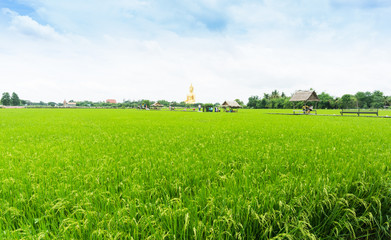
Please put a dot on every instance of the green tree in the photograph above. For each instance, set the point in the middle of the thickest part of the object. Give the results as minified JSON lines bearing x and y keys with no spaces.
{"x":6,"y":99}
{"x":287,"y":104}
{"x":378,"y":100}
{"x":364,"y":99}
{"x":277,"y":103}
{"x":15,"y":101}
{"x":387,"y":101}
{"x":146,"y":102}
{"x":269,"y":104}
{"x":239,"y":102}
{"x":263,"y":103}
{"x":253,"y":102}
{"x":361,"y":99}
{"x":275,"y":94}
{"x":326,"y":101}
{"x":266,"y":96}
{"x":347,"y":101}
{"x":164,"y":102}
{"x":174,"y":104}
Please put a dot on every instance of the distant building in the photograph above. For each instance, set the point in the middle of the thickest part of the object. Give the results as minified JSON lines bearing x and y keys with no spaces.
{"x":69,"y":104}
{"x":111,"y":101}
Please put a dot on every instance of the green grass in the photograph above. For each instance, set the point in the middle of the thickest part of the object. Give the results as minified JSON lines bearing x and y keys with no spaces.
{"x":123,"y":174}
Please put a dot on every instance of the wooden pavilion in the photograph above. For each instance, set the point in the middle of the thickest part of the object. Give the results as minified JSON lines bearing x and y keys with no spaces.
{"x":156,"y":106}
{"x":230,"y":106}
{"x":304,"y":96}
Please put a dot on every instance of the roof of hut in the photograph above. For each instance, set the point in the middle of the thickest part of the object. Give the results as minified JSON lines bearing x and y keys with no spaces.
{"x":231,"y":104}
{"x":304,"y":96}
{"x":157,"y":104}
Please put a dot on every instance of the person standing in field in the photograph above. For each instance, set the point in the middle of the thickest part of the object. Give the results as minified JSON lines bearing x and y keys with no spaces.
{"x":199,"y":107}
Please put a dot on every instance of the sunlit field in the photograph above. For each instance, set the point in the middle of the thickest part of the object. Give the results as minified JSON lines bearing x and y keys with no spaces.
{"x":132,"y":174}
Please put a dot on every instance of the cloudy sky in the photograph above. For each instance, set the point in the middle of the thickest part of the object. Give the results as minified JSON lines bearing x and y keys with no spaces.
{"x":154,"y":49}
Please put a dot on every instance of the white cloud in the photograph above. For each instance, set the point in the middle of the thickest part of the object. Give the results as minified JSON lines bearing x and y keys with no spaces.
{"x":26,"y":25}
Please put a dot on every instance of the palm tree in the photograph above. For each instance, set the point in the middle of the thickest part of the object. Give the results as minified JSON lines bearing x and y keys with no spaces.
{"x":275,"y":94}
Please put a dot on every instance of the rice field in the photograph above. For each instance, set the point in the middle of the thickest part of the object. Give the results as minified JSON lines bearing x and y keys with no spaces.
{"x":129,"y":174}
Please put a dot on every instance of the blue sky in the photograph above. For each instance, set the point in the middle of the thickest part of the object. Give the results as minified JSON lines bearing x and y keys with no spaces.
{"x":134,"y":49}
{"x":16,"y":6}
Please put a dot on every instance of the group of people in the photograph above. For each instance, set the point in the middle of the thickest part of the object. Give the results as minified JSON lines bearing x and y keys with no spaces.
{"x":307,"y":109}
{"x":215,"y":109}
{"x":143,"y":106}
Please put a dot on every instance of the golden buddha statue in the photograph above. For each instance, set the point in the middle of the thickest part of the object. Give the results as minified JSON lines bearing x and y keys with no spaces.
{"x":190,"y":96}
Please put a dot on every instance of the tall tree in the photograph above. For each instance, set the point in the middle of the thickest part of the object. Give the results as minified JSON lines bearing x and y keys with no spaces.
{"x":252,"y":102}
{"x":277,"y":102}
{"x":364,"y":99}
{"x":239,"y":102}
{"x":287,"y":103}
{"x":361,"y":99}
{"x":6,"y":99}
{"x":275,"y":94}
{"x":347,"y":101}
{"x":146,"y":102}
{"x":263,"y":103}
{"x":266,"y":96}
{"x":326,"y":101}
{"x":15,"y":101}
{"x":378,"y":100}
{"x":388,"y":101}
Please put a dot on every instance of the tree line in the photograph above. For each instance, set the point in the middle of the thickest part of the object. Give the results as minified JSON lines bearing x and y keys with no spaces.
{"x":132,"y":103}
{"x":375,"y":99}
{"x":275,"y":99}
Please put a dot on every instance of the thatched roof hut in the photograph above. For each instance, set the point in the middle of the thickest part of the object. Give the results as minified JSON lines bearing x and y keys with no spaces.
{"x":157,"y":104}
{"x":230,"y":104}
{"x":304,"y":96}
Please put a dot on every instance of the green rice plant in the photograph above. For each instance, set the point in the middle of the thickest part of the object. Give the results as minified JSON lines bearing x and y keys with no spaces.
{"x":128,"y":174}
